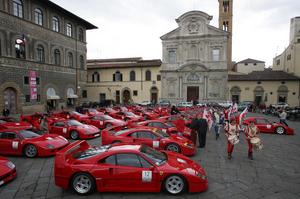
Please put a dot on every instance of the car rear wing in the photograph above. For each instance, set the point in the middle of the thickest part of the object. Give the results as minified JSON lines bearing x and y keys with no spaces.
{"x":56,"y":112}
{"x":27,"y":114}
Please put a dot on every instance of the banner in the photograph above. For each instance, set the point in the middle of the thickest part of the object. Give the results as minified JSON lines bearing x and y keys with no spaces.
{"x":32,"y":81}
{"x":209,"y":118}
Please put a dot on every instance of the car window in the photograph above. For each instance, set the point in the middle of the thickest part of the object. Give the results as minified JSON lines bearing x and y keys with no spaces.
{"x":9,"y":135}
{"x":109,"y":160}
{"x":158,"y":158}
{"x":61,"y":124}
{"x":169,"y":124}
{"x":150,"y":124}
{"x":159,"y":125}
{"x":128,"y":159}
{"x":145,"y":135}
{"x":144,"y":162}
{"x":262,"y":121}
{"x":134,"y":135}
{"x":173,"y":118}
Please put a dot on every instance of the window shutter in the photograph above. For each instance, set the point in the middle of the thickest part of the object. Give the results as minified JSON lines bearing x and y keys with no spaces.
{"x":93,"y":79}
{"x":98,"y":76}
{"x":114,"y":77}
{"x":121,"y":77}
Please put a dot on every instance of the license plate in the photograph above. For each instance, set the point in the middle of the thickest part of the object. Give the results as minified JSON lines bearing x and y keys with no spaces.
{"x":1,"y":182}
{"x":96,"y":135}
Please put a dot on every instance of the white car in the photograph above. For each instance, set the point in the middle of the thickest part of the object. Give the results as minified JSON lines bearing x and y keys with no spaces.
{"x":280,"y":105}
{"x":226,"y":104}
{"x":185,"y":104}
{"x":145,"y":103}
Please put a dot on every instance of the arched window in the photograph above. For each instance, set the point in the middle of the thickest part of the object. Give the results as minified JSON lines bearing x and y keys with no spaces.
{"x":96,"y":77}
{"x":70,"y":60}
{"x":18,"y":8}
{"x":56,"y":57}
{"x":20,"y":48}
{"x":148,"y":75}
{"x":117,"y":77}
{"x":38,"y":16}
{"x":81,"y":62}
{"x":132,"y":76}
{"x":40,"y":53}
{"x":55,"y":24}
{"x":69,"y":30}
{"x":80,"y":34}
{"x":193,"y":52}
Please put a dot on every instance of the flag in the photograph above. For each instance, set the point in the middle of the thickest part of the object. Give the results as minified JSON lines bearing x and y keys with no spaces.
{"x":205,"y":105}
{"x":243,"y":114}
{"x":234,"y":108}
{"x":209,"y":118}
{"x":23,"y":39}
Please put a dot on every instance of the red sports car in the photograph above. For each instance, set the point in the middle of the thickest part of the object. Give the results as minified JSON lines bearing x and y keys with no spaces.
{"x":73,"y":129}
{"x":108,"y":111}
{"x":37,"y":123}
{"x":174,"y":118}
{"x":69,"y":115}
{"x":25,"y":140}
{"x":129,"y":116}
{"x":126,"y":168}
{"x":151,"y":137}
{"x":265,"y":125}
{"x":148,"y":115}
{"x":164,"y":126}
{"x":7,"y":170}
{"x":103,"y":121}
{"x":10,"y":122}
{"x":32,"y":118}
{"x":91,"y":111}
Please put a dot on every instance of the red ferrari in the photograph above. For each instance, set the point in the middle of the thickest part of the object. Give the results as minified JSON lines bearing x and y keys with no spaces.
{"x":103,"y":121}
{"x":73,"y":129}
{"x":129,"y":116}
{"x":126,"y":168}
{"x":32,"y":118}
{"x":25,"y":140}
{"x":265,"y":125}
{"x":7,"y":170}
{"x":69,"y":115}
{"x":151,"y":137}
{"x":91,"y":111}
{"x":108,"y":111}
{"x":174,"y":118}
{"x":148,"y":115}
{"x":10,"y":122}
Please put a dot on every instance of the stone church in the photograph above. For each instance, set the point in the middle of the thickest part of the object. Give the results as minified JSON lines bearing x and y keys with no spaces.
{"x":194,"y":60}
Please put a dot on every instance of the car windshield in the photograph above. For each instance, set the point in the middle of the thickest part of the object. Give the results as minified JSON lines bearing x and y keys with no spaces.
{"x":74,"y":123}
{"x":121,"y":132}
{"x":73,"y":113}
{"x":9,"y":119}
{"x":107,"y":117}
{"x":186,"y":119}
{"x":158,"y":158}
{"x":91,"y":152}
{"x":109,"y":109}
{"x":28,"y":133}
{"x":128,"y":113}
{"x":161,"y":134}
{"x":92,"y":110}
{"x":169,"y":124}
{"x":49,"y":115}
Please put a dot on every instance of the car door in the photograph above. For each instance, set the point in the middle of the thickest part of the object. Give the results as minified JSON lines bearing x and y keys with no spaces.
{"x":145,"y":137}
{"x":8,"y":144}
{"x":161,"y":126}
{"x":59,"y":128}
{"x":263,"y":125}
{"x":96,"y":121}
{"x":134,"y":171}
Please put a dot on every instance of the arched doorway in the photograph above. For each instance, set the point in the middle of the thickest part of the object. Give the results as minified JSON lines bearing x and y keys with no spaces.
{"x":153,"y":92}
{"x":10,"y":99}
{"x":258,"y":94}
{"x":126,"y":96}
{"x":235,"y":94}
{"x":282,"y":93}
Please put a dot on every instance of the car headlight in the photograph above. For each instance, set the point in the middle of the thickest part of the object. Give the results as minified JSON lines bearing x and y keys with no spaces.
{"x":10,"y":165}
{"x":190,"y":146}
{"x":200,"y":175}
{"x":30,"y":125}
{"x":189,"y":133}
{"x":87,"y":132}
{"x":63,"y":138}
{"x":50,"y":146}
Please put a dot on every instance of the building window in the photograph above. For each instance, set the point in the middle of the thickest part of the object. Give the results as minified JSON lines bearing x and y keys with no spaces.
{"x":80,"y":34}
{"x":40,"y":53}
{"x":18,"y":8}
{"x":96,"y":77}
{"x":70,"y":59}
{"x":84,"y":94}
{"x":148,"y":75}
{"x":158,"y":78}
{"x":246,"y":64}
{"x":20,"y":48}
{"x":132,"y":76}
{"x":37,"y":80}
{"x":26,"y":80}
{"x":117,"y":77}
{"x":81,"y":62}
{"x":288,"y":70}
{"x":56,"y":57}
{"x":216,"y":54}
{"x":38,"y":98}
{"x":225,"y":25}
{"x":225,"y":6}
{"x":255,"y":64}
{"x":172,"y":56}
{"x":278,"y":62}
{"x":27,"y":98}
{"x":38,"y":17}
{"x":135,"y":93}
{"x":55,"y":24}
{"x":69,"y":30}
{"x":298,"y":40}
{"x":289,"y":57}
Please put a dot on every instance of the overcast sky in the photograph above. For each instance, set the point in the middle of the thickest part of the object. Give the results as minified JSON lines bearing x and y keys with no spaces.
{"x":132,"y":28}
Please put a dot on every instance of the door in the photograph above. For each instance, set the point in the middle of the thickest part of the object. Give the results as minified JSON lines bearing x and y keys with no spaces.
{"x":192,"y":93}
{"x":154,"y":96}
{"x":8,"y":145}
{"x":59,"y":128}
{"x":235,"y":98}
{"x":263,"y":125}
{"x":102,"y":97}
{"x":9,"y":98}
{"x":118,"y":97}
{"x":257,"y":99}
{"x":126,"y":96}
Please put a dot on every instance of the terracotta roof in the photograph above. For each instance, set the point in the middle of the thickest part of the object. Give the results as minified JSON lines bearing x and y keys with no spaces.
{"x":114,"y":59}
{"x":141,"y":63}
{"x":267,"y":75}
{"x":251,"y":61}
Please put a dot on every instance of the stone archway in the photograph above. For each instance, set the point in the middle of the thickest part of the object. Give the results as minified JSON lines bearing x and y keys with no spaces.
{"x":50,"y":85}
{"x":126,"y":95}
{"x":11,"y":87}
{"x":282,"y":93}
{"x":153,"y":94}
{"x":258,"y":95}
{"x":235,"y":93}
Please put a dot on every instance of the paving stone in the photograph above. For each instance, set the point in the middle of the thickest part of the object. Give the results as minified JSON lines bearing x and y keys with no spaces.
{"x":215,"y":187}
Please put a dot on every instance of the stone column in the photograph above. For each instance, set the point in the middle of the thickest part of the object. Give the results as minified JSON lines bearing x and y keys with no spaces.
{"x":205,"y":86}
{"x":180,"y":86}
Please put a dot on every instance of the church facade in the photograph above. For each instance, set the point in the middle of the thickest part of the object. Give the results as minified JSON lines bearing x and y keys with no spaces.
{"x":194,"y":60}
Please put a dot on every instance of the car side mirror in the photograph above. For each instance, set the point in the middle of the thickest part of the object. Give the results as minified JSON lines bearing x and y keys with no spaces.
{"x":17,"y":139}
{"x":152,"y":168}
{"x":158,"y":138}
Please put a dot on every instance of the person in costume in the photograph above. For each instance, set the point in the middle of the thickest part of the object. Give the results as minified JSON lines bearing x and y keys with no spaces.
{"x":251,"y":131}
{"x":231,"y":129}
{"x":218,"y":122}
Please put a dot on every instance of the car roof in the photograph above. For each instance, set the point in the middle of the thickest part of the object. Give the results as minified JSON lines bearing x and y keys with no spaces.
{"x":17,"y":128}
{"x":125,"y":147}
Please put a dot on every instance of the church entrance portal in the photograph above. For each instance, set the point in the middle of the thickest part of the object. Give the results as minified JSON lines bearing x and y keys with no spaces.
{"x":192,"y":93}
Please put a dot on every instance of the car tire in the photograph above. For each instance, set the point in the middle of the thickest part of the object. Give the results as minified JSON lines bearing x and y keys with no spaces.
{"x":72,"y":118}
{"x":30,"y":151}
{"x":108,"y":125}
{"x":74,"y":135}
{"x":280,"y":130}
{"x":174,"y":184}
{"x":83,"y":183}
{"x":145,"y":117}
{"x":25,"y":120}
{"x":116,"y":142}
{"x":173,"y":147}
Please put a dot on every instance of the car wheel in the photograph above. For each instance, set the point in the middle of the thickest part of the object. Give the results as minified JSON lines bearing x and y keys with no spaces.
{"x":116,"y":141}
{"x":174,"y":184}
{"x":173,"y":147}
{"x":30,"y":151}
{"x":74,"y":135}
{"x":83,"y":183}
{"x":145,"y":117}
{"x":25,"y":120}
{"x":244,"y":126}
{"x":108,"y":125}
{"x":280,"y":130}
{"x":127,"y":119}
{"x":72,"y":118}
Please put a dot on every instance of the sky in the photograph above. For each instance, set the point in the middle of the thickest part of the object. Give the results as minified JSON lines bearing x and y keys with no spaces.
{"x":132,"y":28}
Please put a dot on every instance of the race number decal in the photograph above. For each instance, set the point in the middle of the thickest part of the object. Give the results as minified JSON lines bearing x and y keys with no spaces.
{"x":155,"y":144}
{"x":141,"y":114}
{"x":64,"y":130}
{"x":147,"y":176}
{"x":68,"y":116}
{"x":268,"y":126}
{"x":101,"y":122}
{"x":154,"y":130}
{"x":122,"y":117}
{"x":164,"y":130}
{"x":15,"y":145}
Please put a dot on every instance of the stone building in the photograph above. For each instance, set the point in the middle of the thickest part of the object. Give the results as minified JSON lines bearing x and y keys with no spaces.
{"x":123,"y":79}
{"x":42,"y":55}
{"x":194,"y":60}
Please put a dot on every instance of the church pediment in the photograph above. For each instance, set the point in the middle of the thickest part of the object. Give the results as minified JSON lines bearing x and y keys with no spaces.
{"x":196,"y":67}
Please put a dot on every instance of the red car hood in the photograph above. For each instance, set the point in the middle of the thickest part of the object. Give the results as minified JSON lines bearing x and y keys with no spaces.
{"x":178,"y":138}
{"x":117,"y":121}
{"x":89,"y":128}
{"x":3,"y":168}
{"x":44,"y":140}
{"x":16,"y":124}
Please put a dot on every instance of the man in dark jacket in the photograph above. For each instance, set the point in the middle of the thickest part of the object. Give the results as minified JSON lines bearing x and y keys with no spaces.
{"x":194,"y":130}
{"x":201,"y":126}
{"x":6,"y":112}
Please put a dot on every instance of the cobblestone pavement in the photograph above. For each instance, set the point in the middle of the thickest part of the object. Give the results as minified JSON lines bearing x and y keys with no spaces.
{"x":274,"y":172}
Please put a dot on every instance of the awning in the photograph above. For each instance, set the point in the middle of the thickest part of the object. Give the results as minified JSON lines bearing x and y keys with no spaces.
{"x":52,"y":97}
{"x":72,"y":96}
